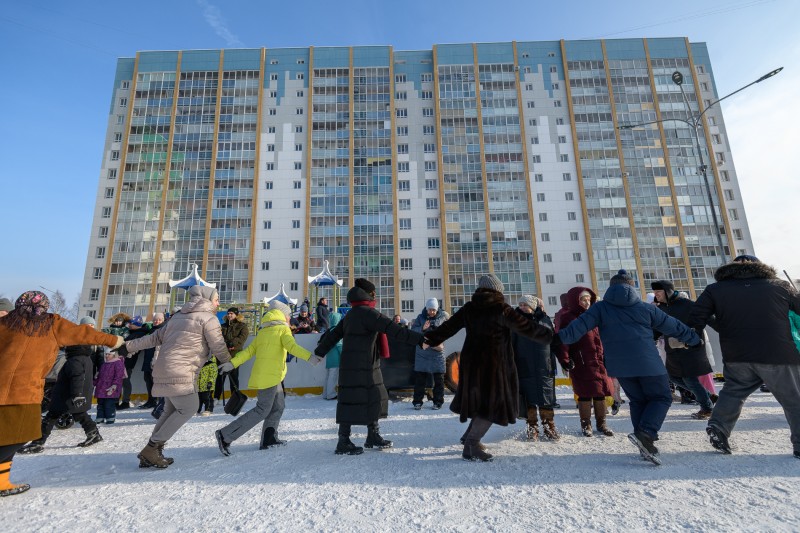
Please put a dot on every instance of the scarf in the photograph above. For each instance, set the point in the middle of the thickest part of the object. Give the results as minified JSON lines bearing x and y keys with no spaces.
{"x":383,"y":340}
{"x":30,"y":316}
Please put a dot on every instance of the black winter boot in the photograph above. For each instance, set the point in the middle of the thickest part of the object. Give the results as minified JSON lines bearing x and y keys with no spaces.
{"x":374,"y":439}
{"x":92,"y":437}
{"x":475,"y":451}
{"x":36,"y":446}
{"x":270,"y":439}
{"x":345,"y":446}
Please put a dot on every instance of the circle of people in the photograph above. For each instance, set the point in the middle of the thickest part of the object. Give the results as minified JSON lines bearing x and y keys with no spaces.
{"x":505,"y":367}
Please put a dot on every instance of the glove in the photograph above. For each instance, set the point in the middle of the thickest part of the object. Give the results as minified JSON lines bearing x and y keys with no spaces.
{"x":701,"y":343}
{"x":675,"y":344}
{"x":123,"y":351}
{"x":78,"y":402}
{"x":224,"y":368}
{"x":111,"y":390}
{"x":314,"y":360}
{"x":570,"y":364}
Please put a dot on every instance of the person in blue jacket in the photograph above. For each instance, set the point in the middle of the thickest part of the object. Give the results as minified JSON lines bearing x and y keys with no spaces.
{"x":626,"y":327}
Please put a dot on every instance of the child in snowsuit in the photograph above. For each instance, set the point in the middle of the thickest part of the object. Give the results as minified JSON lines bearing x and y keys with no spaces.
{"x":108,"y":387}
{"x":205,"y":387}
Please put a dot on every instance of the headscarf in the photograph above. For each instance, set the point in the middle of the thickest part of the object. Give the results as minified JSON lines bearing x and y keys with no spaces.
{"x":30,"y":315}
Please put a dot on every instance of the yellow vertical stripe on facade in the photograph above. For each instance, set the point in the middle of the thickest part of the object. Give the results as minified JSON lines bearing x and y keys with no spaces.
{"x":396,"y":233}
{"x":443,"y":245}
{"x":478,"y":107}
{"x":712,"y":160}
{"x":120,"y":174}
{"x":528,"y":191}
{"x":670,"y":176}
{"x":308,"y":145}
{"x":259,"y":108}
{"x":634,"y":238}
{"x":576,"y":151}
{"x":165,"y":186}
{"x":351,"y":125}
{"x":209,"y":205}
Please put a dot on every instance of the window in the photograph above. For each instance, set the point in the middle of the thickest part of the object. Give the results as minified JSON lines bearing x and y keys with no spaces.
{"x":299,"y":94}
{"x":264,"y":265}
{"x":268,"y":204}
{"x":118,"y":137}
{"x":429,"y":148}
{"x":733,"y":214}
{"x":94,"y":295}
{"x":433,"y":243}
{"x":120,"y":119}
{"x":531,"y":105}
{"x":542,"y":217}
{"x":273,"y":77}
{"x":295,"y":245}
{"x":436,"y":284}
{"x":265,"y":245}
{"x":267,"y":224}
{"x":538,"y":178}
{"x":426,"y":77}
{"x":406,"y":264}
{"x":100,"y":252}
{"x":700,"y":69}
{"x":559,"y":122}
{"x":562,"y":139}
{"x":534,"y":140}
{"x":271,"y":129}
{"x":400,"y":78}
{"x":123,"y":102}
{"x":268,"y":184}
{"x":273,"y":94}
{"x":566,"y":176}
{"x":573,"y":236}
{"x":427,"y":95}
{"x":557,"y":103}
{"x":298,"y":129}
{"x":402,"y":166}
{"x":294,"y":265}
{"x":540,"y":197}
{"x":115,"y":155}
{"x":527,"y":70}
{"x":704,"y":86}
{"x":711,"y":121}
{"x":300,"y":76}
{"x":293,"y":286}
{"x":576,"y":256}
{"x":729,"y":194}
{"x":434,"y":263}
{"x":737,"y":234}
{"x":270,"y":148}
{"x":555,"y":87}
{"x":551,"y":300}
{"x":564,"y":158}
{"x":406,"y":284}
{"x":295,"y":224}
{"x":403,"y":185}
{"x":125,"y":85}
{"x":571,"y":215}
{"x":407,"y":306}
{"x":724,"y":175}
{"x":568,"y":196}
{"x":547,"y":258}
{"x":545,"y":237}
{"x":553,"y":68}
{"x":298,"y":111}
{"x":298,"y":147}
{"x":402,"y":148}
{"x":401,"y":112}
{"x":296,"y":204}
{"x":532,"y":122}
{"x":429,"y":130}
{"x":430,"y":185}
{"x":270,"y":166}
{"x":404,"y":204}
{"x":112,"y":173}
{"x":550,"y":279}
{"x":579,"y":278}
{"x":297,"y":184}
{"x":537,"y":159}
{"x":273,"y":111}
{"x":401,"y":95}
{"x":102,"y":232}
{"x":97,"y":273}
{"x":716,"y":138}
{"x":427,"y":111}
{"x":264,"y":287}
{"x":405,"y":244}
{"x":431,"y":203}
{"x":430,"y":166}
{"x":405,"y":223}
{"x":402,"y":131}
{"x":433,"y":223}
{"x":301,"y":61}
{"x":273,"y":62}
{"x":109,"y":192}
{"x":106,"y":213}
{"x":528,"y":86}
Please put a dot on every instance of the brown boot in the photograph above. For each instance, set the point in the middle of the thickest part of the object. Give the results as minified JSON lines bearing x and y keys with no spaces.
{"x":169,"y":460}
{"x":548,"y":424}
{"x":585,"y":412}
{"x":151,"y":456}
{"x":533,"y":424}
{"x":600,"y":417}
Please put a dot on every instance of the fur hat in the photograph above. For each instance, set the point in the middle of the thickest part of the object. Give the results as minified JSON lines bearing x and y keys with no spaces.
{"x":531,"y":301}
{"x":88,"y":320}
{"x":121,"y":317}
{"x":209,"y":293}
{"x":622,"y":278}
{"x":746,"y":259}
{"x":365,"y":284}
{"x":490,"y":281}
{"x":280,"y":306}
{"x":663,"y":285}
{"x":234,"y":310}
{"x":6,"y":305}
{"x":432,"y":303}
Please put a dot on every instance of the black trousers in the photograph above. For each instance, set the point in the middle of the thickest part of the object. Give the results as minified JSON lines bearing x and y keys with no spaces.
{"x":130,"y":365}
{"x":233,"y":377}
{"x":49,"y":422}
{"x":420,"y":380}
{"x":148,"y":381}
{"x":7,"y":452}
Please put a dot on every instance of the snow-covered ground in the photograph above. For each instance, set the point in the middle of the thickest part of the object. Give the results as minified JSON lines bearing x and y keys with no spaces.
{"x":579,"y":483}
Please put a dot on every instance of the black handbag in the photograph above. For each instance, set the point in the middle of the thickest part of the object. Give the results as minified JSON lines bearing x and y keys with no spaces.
{"x":235,"y":402}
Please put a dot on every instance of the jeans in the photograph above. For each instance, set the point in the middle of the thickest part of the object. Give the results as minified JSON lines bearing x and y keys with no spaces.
{"x":742,"y":379}
{"x":650,"y":399}
{"x":106,"y":408}
{"x":695,"y":387}
{"x":420,"y":379}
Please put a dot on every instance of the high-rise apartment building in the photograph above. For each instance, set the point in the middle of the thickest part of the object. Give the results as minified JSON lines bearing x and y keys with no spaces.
{"x":420,"y":170}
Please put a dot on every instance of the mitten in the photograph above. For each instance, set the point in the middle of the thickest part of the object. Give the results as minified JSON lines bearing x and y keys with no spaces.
{"x":224,"y":368}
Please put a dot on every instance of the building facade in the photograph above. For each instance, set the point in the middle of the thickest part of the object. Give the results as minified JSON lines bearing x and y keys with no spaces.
{"x":420,"y":170}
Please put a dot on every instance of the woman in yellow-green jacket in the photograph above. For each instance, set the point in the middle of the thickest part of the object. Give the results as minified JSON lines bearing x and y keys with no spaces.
{"x":270,"y":346}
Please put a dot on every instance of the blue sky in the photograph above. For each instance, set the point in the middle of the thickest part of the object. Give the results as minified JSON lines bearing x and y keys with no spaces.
{"x":59,"y":58}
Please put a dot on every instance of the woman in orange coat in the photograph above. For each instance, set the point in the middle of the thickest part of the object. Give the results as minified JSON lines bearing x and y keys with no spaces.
{"x":29,"y":341}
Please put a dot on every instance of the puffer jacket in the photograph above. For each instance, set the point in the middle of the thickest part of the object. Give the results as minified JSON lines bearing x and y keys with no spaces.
{"x":683,"y":362}
{"x":186,"y":342}
{"x":431,"y":360}
{"x":269,"y":347}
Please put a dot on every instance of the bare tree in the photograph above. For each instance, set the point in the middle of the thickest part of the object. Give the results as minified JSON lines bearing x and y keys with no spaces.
{"x":59,"y":306}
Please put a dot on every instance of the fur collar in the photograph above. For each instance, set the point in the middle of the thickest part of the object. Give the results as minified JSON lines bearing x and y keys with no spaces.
{"x":487,"y":298}
{"x":745,"y":271}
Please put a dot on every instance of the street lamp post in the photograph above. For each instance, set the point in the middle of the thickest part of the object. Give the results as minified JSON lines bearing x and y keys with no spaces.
{"x":695,"y":122}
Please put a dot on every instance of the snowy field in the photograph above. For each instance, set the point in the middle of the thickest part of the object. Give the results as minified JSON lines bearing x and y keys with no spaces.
{"x":422,"y":484}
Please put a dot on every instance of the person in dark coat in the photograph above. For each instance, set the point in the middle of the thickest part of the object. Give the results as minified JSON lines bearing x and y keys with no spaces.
{"x":72,"y":394}
{"x":147,"y":363}
{"x":137,"y":328}
{"x":535,"y":370}
{"x":751,"y":309}
{"x":625,"y":324}
{"x":363,"y":399}
{"x":322,"y":315}
{"x":684,"y":365}
{"x":429,"y":361}
{"x":488,"y":387}
{"x":585,"y":361}
{"x":235,"y":333}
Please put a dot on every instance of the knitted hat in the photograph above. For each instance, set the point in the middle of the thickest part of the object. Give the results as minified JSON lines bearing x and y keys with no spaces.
{"x":490,"y":281}
{"x":6,"y":305}
{"x":280,"y":306}
{"x":88,"y":320}
{"x":138,"y":320}
{"x":432,"y":303}
{"x":531,"y":301}
{"x":234,"y":310}
{"x":622,"y":278}
{"x":304,"y":308}
{"x":746,"y":259}
{"x":365,"y":284}
{"x":158,"y":316}
{"x":203,"y":290}
{"x":663,"y":285}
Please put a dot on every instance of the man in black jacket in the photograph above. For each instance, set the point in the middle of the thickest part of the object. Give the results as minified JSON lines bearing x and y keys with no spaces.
{"x":751,"y":306}
{"x":684,"y":364}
